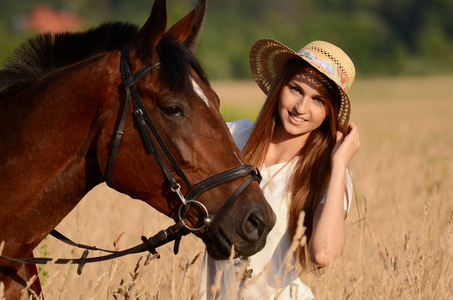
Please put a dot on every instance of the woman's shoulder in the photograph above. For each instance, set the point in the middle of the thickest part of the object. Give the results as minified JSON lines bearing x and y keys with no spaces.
{"x":241,"y":131}
{"x":242,"y":124}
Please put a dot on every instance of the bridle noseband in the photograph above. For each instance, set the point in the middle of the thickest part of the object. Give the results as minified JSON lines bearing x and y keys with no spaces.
{"x":146,"y":127}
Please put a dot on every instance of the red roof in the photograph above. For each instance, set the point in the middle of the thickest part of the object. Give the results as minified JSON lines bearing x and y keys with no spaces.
{"x":44,"y":19}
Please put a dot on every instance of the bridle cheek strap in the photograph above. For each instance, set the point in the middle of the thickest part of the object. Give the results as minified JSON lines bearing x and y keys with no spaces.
{"x":144,"y":122}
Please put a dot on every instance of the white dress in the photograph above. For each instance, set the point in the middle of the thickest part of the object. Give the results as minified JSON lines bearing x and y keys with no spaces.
{"x":272,"y":276}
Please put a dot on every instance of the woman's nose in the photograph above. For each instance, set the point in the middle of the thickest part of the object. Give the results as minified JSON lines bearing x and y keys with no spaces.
{"x":302,"y":106}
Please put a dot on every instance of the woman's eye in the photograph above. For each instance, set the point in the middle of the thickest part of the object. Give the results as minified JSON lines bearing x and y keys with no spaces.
{"x":294,"y":89}
{"x":320,"y":101}
{"x":172,"y":110}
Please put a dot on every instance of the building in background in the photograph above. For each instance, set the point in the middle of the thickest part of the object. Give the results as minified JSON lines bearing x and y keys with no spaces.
{"x":44,"y":18}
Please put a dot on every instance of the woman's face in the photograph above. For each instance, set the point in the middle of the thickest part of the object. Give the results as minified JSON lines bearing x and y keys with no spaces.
{"x":302,"y":105}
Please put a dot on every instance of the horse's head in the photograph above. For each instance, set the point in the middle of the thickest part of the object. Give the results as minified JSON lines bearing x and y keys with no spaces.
{"x":161,"y":71}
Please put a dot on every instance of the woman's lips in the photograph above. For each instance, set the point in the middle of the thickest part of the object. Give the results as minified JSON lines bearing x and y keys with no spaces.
{"x":296,"y":119}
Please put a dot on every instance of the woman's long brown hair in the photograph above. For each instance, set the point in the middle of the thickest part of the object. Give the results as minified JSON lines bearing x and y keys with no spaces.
{"x":310,"y":178}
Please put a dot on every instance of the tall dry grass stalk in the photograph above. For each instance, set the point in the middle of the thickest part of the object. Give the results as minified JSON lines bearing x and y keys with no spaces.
{"x":399,"y":231}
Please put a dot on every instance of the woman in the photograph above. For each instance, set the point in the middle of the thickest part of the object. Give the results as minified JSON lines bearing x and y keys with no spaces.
{"x":302,"y":142}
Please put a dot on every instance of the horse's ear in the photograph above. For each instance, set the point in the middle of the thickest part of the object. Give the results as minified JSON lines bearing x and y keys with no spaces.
{"x":150,"y":34}
{"x":187,"y":29}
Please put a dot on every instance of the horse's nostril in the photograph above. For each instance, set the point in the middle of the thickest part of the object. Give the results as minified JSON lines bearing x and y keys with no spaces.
{"x":253,"y":222}
{"x":253,"y":227}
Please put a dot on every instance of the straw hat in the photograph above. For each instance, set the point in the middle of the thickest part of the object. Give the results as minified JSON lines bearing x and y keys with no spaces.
{"x":268,"y":57}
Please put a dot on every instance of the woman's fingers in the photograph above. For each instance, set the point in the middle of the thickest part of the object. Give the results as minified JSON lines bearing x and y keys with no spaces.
{"x":346,"y":146}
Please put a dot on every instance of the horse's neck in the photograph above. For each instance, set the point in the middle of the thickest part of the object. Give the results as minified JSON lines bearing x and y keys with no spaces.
{"x":49,"y":152}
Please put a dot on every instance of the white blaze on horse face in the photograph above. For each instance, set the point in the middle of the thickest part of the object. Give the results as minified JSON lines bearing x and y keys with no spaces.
{"x":199,"y":91}
{"x":237,"y":156}
{"x":203,"y":97}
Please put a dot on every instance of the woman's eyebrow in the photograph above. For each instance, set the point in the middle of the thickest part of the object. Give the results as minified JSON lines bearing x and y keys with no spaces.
{"x":294,"y":81}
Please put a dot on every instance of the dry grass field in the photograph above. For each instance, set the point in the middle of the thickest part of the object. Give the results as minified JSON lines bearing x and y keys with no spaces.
{"x":399,"y":231}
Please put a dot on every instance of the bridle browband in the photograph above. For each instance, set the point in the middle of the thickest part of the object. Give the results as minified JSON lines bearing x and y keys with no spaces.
{"x":144,"y":126}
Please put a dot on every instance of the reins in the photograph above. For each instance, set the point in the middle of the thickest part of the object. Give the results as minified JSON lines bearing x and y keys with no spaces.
{"x":148,"y":244}
{"x":146,"y":127}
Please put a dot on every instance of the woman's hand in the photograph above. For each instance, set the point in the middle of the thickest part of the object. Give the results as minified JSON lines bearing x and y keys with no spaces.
{"x":346,"y":146}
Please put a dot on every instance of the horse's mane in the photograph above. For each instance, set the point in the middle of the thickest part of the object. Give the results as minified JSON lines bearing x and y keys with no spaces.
{"x":175,"y":63}
{"x":48,"y":52}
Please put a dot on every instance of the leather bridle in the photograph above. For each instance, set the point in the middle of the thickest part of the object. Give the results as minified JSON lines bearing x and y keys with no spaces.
{"x":145,"y":125}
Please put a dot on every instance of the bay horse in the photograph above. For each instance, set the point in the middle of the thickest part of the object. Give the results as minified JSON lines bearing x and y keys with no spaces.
{"x":64,"y":105}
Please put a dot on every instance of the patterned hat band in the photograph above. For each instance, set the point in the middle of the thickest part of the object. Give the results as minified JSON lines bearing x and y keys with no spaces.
{"x":335,"y":71}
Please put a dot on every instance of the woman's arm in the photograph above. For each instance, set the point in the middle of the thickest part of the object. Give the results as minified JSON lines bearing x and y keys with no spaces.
{"x":328,"y":236}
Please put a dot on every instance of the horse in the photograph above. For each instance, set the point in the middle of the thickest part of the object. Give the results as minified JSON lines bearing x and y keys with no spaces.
{"x":67,"y":125}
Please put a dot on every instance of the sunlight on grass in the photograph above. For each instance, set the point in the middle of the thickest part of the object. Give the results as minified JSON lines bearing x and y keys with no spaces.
{"x":399,"y":231}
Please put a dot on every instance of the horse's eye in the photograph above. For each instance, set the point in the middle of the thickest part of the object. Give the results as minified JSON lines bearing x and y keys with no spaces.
{"x":172,"y":110}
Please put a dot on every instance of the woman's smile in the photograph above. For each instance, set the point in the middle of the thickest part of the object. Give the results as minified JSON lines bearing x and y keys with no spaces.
{"x":296,"y":119}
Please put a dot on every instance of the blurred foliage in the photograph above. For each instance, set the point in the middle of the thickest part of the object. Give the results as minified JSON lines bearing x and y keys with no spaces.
{"x":383,"y":37}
